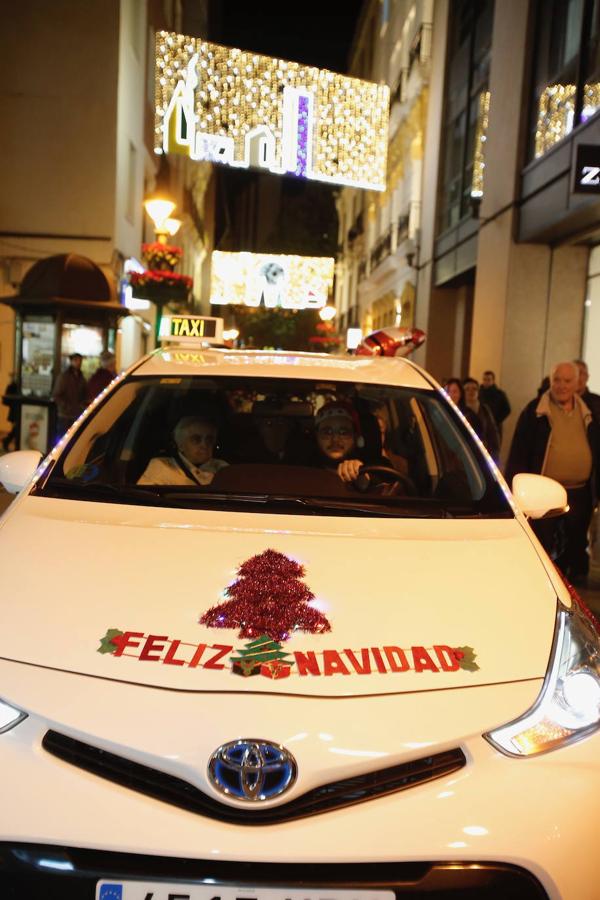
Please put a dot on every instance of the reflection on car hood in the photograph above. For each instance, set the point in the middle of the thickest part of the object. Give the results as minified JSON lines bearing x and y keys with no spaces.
{"x":399,"y":605}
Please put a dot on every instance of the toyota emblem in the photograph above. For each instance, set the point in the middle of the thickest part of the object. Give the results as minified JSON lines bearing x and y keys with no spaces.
{"x":252,"y":770}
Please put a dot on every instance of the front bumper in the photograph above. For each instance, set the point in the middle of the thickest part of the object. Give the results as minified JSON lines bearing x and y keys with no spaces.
{"x":40,"y":872}
{"x":536,"y":814}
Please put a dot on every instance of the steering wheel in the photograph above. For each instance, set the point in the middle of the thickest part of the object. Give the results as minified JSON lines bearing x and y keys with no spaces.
{"x":389,"y":474}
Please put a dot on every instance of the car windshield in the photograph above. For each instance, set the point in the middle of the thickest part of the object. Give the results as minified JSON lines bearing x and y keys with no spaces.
{"x":277,"y":445}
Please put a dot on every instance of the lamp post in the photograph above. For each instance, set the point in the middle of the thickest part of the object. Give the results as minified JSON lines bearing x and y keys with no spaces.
{"x":162,"y":259}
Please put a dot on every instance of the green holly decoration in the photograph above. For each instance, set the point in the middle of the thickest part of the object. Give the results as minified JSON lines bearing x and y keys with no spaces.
{"x":256,"y":652}
{"x":106,"y":644}
{"x":466,"y":658}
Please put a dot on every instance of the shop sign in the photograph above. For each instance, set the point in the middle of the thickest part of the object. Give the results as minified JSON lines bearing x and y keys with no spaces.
{"x":587,"y":169}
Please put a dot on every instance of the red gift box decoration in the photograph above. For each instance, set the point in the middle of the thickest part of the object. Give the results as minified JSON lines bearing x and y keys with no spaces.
{"x":275,"y":669}
{"x":246,"y":667}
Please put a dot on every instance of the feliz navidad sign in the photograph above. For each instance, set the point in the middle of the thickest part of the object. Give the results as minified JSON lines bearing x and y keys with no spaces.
{"x":268,"y":602}
{"x":267,"y":658}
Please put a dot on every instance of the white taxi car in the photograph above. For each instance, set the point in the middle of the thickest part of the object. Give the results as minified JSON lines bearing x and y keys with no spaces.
{"x":272,"y":627}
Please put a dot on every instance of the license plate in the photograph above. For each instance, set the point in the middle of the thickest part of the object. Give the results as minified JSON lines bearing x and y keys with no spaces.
{"x":160,"y":890}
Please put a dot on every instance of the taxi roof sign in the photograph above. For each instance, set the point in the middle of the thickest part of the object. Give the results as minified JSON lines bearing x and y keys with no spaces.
{"x":191,"y":330}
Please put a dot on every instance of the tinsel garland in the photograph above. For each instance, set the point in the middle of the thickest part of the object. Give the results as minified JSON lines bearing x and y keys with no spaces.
{"x":268,"y":598}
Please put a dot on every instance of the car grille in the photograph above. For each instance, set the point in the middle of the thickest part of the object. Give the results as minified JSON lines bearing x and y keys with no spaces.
{"x":180,"y":793}
{"x":46,"y":872}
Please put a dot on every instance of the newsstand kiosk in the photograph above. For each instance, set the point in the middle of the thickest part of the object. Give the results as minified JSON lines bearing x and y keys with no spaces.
{"x":66,"y":304}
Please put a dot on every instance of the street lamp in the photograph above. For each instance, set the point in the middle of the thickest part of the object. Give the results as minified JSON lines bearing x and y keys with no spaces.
{"x":172,"y":226}
{"x":159,"y":208}
{"x":327,"y":313}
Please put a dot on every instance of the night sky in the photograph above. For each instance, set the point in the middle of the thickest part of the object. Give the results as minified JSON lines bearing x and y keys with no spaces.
{"x":314,"y":33}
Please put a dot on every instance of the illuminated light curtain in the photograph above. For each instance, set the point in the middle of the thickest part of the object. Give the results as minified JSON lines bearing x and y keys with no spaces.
{"x":479,"y":148}
{"x":316,"y":124}
{"x":555,"y":116}
{"x":591,"y":101}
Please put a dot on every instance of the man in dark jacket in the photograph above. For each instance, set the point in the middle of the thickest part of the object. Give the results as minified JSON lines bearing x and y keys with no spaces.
{"x":495,"y":399}
{"x":69,"y":394}
{"x":592,"y":401}
{"x":557,"y":436}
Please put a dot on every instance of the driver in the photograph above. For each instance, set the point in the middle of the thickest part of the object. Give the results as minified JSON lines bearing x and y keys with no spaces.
{"x":338,"y":436}
{"x":193,"y":461}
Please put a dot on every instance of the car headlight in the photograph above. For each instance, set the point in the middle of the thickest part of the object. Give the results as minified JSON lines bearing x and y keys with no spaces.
{"x":568,"y":707}
{"x":9,"y":716}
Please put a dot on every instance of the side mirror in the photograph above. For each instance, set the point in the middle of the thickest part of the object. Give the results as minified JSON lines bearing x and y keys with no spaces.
{"x":539,"y":497}
{"x":17,"y":468}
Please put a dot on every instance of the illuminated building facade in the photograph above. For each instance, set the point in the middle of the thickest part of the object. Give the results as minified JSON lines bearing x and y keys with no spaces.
{"x":507,"y":250}
{"x":80,"y":158}
{"x":379,"y":233}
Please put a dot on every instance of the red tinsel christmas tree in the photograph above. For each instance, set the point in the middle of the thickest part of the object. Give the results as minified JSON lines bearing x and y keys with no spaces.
{"x":268,"y":598}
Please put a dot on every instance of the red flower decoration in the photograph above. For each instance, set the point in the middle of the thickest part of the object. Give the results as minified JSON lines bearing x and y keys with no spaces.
{"x":159,"y":276}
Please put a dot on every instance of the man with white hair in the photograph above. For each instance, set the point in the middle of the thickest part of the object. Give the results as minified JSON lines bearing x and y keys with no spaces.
{"x":192,"y":461}
{"x":556,"y":435}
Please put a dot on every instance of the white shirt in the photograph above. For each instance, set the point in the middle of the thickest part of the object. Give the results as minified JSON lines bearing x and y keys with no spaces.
{"x":166,"y":470}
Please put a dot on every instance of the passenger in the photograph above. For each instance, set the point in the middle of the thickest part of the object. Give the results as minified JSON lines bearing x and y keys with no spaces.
{"x":192,"y":462}
{"x":393,"y":459}
{"x":273,"y":430}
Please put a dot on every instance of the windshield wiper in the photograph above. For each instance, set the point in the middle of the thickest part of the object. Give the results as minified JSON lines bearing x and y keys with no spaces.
{"x":75,"y":490}
{"x":166,"y":495}
{"x":310,"y":505}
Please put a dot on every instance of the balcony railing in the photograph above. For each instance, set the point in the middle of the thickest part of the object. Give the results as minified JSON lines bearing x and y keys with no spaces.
{"x":402,"y":229}
{"x":356,"y":230}
{"x":382,"y":248}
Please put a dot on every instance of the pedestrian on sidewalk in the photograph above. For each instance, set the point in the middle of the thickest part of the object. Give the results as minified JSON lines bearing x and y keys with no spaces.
{"x":592,"y":401}
{"x":557,"y":436}
{"x":103,"y":376}
{"x":12,"y":389}
{"x":484,"y":424}
{"x":455,"y":390}
{"x":494,"y":398}
{"x":69,"y":394}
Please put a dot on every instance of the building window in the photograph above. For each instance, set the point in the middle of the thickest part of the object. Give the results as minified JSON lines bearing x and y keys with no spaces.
{"x":466,"y":108}
{"x":385,"y":15}
{"x":566,"y":78}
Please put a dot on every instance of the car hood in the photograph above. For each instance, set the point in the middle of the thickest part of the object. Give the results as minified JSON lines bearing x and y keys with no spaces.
{"x":400,"y":605}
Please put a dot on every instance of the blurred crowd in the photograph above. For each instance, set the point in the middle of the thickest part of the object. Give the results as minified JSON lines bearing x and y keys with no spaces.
{"x":558,"y":435}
